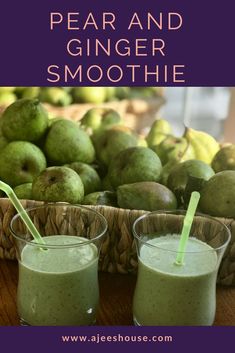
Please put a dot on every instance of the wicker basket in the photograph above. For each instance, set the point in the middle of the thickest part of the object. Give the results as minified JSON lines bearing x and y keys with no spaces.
{"x":137,"y":113}
{"x":118,"y":254}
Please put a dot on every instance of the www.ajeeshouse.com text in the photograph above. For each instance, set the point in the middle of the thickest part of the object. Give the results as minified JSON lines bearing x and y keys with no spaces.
{"x":98,"y":338}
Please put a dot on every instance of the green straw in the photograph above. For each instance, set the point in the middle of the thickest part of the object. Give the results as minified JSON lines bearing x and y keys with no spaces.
{"x":22,"y":213}
{"x":188,"y":220}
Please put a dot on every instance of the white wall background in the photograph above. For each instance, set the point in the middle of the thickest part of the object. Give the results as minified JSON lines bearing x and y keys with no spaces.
{"x":202,"y":108}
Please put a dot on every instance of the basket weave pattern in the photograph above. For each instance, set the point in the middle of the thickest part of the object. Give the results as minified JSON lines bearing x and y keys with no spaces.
{"x":118,"y":253}
{"x":137,"y":113}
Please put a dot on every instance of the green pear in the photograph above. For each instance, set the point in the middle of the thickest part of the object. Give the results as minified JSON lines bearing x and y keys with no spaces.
{"x":24,"y":191}
{"x":67,"y":89}
{"x":31,"y":92}
{"x":218,"y":194}
{"x":3,"y":140}
{"x":224,"y":159}
{"x":89,"y":94}
{"x":90,"y":178}
{"x":123,"y":92}
{"x":20,"y":162}
{"x":108,"y":143}
{"x":91,"y":120}
{"x":100,"y":118}
{"x":25,"y":120}
{"x":19,"y":91}
{"x":107,"y":198}
{"x":58,"y":184}
{"x":55,"y":96}
{"x":6,"y":89}
{"x":106,"y":184}
{"x":133,"y":165}
{"x":179,"y":176}
{"x":110,"y":93}
{"x":54,"y":119}
{"x":166,"y":170}
{"x":141,"y":92}
{"x":66,"y":143}
{"x":158,"y":132}
{"x":7,"y":98}
{"x":193,"y":184}
{"x":101,"y":169}
{"x":174,"y":148}
{"x":148,"y":196}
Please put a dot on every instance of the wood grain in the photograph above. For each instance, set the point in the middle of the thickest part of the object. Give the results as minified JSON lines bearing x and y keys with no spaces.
{"x":116,"y":292}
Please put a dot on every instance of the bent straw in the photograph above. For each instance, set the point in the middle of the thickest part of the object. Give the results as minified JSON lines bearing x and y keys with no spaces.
{"x":188,"y":220}
{"x":22,"y":213}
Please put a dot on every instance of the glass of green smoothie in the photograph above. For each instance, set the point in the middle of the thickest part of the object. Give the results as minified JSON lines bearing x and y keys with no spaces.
{"x":58,"y":281}
{"x":169,"y":294}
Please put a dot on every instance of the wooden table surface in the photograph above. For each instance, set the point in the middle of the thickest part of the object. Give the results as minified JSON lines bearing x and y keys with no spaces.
{"x":116,"y":292}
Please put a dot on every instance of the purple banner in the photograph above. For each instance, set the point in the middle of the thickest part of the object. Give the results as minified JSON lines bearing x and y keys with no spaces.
{"x":117,"y":43}
{"x":116,"y":339}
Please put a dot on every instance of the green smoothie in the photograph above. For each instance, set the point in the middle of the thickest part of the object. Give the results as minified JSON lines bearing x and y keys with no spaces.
{"x":58,"y":286}
{"x":169,"y":294}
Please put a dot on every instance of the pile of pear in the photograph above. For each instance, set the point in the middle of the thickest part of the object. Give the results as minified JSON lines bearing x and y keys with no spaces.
{"x":100,"y":161}
{"x":64,"y":96}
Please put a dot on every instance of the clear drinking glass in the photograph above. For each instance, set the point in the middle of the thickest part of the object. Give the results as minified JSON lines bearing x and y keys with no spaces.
{"x":168,"y":294}
{"x":58,"y":282}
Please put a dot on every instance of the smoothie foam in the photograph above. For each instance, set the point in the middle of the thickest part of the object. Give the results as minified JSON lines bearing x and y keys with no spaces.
{"x":169,"y":294}
{"x":58,"y":286}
